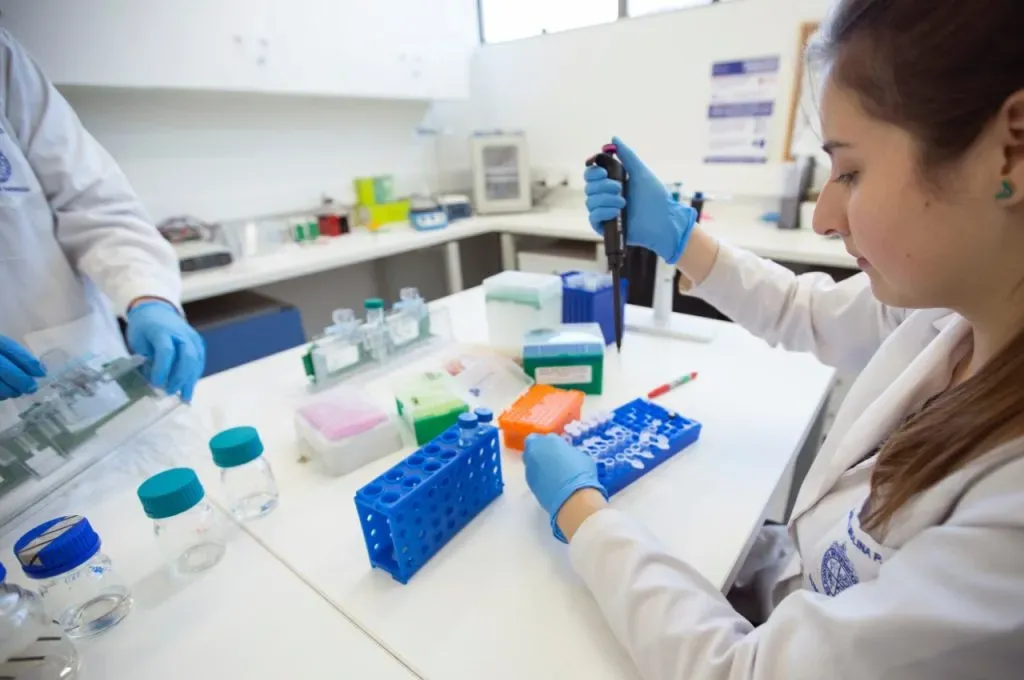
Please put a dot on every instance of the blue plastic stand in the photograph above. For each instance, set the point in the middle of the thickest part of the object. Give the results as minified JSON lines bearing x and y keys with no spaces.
{"x":412,"y":510}
{"x":632,"y":444}
{"x":583,"y":306}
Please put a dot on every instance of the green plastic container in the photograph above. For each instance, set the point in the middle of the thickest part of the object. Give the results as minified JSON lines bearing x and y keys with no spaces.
{"x":374,"y":190}
{"x":429,"y":404}
{"x":570,"y":356}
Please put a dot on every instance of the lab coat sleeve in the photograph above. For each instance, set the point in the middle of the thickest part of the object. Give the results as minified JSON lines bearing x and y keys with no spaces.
{"x":99,"y":221}
{"x":843,"y":324}
{"x":948,"y":605}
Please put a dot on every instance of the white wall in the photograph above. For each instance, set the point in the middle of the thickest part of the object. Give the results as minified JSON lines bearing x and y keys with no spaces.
{"x":220,"y":156}
{"x":645,"y":79}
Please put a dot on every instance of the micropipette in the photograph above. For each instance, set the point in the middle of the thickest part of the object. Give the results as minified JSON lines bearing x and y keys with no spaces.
{"x":615,"y":232}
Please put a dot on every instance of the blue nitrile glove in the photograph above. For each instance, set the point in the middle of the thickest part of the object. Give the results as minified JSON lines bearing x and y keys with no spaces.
{"x":18,"y":370}
{"x":176,"y":352}
{"x":655,"y":221}
{"x":556,"y":470}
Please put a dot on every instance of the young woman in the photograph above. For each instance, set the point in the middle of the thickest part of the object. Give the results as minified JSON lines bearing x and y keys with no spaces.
{"x":909,"y":529}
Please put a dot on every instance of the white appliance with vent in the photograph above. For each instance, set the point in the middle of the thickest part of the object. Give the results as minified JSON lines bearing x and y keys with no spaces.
{"x":501,"y":172}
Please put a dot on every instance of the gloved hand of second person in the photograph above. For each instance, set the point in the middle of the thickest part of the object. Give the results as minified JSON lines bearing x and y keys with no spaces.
{"x":555,"y":470}
{"x":18,"y":370}
{"x":176,"y":352}
{"x":655,"y":221}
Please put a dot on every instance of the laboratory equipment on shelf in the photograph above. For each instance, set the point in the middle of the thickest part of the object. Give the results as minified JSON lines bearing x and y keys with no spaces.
{"x":77,"y":582}
{"x":631,"y":441}
{"x":456,"y":206}
{"x":587,"y":297}
{"x":188,"y":530}
{"x":518,"y":302}
{"x":411,"y":511}
{"x":570,"y":356}
{"x":429,"y":402}
{"x":615,"y":232}
{"x":245,"y":473}
{"x":427,"y":214}
{"x":345,"y":430}
{"x":541,"y":410}
{"x":32,"y":645}
{"x":501,"y":172}
{"x":85,"y":408}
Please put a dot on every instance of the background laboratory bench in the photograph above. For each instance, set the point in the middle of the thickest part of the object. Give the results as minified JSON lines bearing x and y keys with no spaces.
{"x":296,"y":591}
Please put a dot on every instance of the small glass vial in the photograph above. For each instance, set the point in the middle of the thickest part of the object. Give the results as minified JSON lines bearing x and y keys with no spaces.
{"x":246,"y":475}
{"x":468,"y":428}
{"x":76,"y":581}
{"x":32,"y":645}
{"x":187,"y":528}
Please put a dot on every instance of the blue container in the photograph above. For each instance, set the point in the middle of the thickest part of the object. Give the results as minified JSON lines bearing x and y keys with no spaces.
{"x":411,"y":511}
{"x":584,"y":306}
{"x":616,"y":468}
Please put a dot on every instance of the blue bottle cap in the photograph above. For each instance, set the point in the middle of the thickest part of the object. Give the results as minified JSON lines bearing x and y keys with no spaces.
{"x":170,"y":493}
{"x":56,"y":547}
{"x":467,"y":421}
{"x":3,"y":573}
{"x":236,"y":446}
{"x":484,"y":415}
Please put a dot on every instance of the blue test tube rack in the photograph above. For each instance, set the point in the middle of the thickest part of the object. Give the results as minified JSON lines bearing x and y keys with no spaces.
{"x":411,"y":511}
{"x":584,"y":306}
{"x":635,"y":439}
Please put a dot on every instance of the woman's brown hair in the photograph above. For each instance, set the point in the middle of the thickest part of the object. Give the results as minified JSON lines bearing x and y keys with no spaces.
{"x":942,"y":70}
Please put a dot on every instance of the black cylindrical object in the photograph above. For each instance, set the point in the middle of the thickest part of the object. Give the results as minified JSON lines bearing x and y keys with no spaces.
{"x":615,"y":231}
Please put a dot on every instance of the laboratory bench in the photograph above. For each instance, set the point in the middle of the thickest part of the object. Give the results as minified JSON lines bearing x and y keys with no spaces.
{"x":295,"y":594}
{"x":737,"y":225}
{"x":500,"y":600}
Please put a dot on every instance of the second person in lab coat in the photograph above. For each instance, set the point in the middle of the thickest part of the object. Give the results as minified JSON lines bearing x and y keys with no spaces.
{"x":77,"y":249}
{"x":905,"y":550}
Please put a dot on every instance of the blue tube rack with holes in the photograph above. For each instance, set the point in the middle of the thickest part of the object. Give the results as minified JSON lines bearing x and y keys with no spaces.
{"x":631,"y":441}
{"x":411,"y":511}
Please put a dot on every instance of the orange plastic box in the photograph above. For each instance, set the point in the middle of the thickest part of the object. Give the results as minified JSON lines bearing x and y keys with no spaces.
{"x":542,"y":410}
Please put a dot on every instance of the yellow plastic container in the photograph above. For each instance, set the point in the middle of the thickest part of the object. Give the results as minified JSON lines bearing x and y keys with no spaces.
{"x":374,"y":190}
{"x":376,"y":216}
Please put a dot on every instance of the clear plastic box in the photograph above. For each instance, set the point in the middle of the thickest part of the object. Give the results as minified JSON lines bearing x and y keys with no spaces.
{"x":346,"y":430}
{"x":518,"y":302}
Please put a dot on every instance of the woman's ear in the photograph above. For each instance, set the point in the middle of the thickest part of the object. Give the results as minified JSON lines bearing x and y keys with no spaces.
{"x":1010,"y":190}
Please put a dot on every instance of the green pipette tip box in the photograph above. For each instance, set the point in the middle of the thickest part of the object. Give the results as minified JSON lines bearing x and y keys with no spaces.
{"x":570,"y":356}
{"x":429,"y":404}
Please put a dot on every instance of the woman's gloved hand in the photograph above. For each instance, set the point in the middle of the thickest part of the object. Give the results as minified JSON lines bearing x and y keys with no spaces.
{"x":555,"y":470}
{"x":176,"y":352}
{"x":656,"y":222}
{"x":18,"y":370}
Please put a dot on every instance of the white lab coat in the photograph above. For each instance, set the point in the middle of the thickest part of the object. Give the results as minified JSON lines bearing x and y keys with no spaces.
{"x":939,"y":596}
{"x":76,"y":246}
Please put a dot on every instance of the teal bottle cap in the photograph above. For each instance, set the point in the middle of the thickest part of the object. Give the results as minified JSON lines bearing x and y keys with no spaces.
{"x":170,"y":493}
{"x":373,"y":303}
{"x":236,"y":446}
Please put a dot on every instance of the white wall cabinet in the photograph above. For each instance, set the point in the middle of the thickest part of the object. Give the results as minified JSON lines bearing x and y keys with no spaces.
{"x":404,"y":49}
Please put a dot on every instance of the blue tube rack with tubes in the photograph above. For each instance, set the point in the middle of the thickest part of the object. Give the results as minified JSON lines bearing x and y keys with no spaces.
{"x":631,"y":441}
{"x":411,"y":511}
{"x":587,"y":298}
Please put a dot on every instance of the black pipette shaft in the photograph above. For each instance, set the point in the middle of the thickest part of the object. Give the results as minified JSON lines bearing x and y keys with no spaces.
{"x":615,"y":232}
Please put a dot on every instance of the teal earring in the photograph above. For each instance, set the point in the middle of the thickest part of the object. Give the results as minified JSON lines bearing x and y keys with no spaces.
{"x":1006,"y":192}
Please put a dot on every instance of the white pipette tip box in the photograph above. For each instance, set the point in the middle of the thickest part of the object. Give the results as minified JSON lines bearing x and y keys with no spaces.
{"x":345,"y":430}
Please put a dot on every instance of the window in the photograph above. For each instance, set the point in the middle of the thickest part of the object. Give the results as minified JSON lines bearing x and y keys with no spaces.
{"x":502,"y":20}
{"x":639,"y":8}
